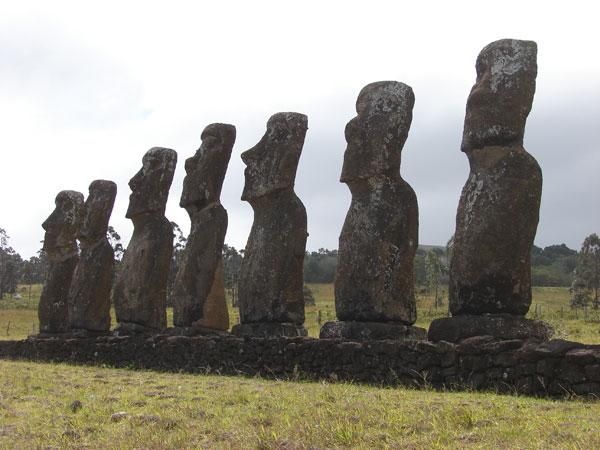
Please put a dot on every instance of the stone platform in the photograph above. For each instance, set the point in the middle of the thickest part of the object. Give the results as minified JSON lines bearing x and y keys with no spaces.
{"x":268,"y":329}
{"x":554,"y":368}
{"x":371,"y":331}
{"x":500,"y":326}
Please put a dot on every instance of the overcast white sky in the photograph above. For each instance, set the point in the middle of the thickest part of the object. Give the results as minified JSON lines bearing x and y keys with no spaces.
{"x":87,"y":87}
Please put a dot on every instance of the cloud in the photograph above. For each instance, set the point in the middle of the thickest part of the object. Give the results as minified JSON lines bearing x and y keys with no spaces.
{"x":86,"y":90}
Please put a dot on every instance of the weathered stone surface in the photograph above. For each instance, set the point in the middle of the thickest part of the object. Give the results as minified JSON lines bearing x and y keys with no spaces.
{"x":89,"y":295}
{"x":61,"y":248}
{"x":374,"y":278}
{"x":141,"y":289}
{"x":500,"y":326}
{"x":371,"y":331}
{"x":271,"y":276}
{"x":199,"y":291}
{"x":498,"y":211}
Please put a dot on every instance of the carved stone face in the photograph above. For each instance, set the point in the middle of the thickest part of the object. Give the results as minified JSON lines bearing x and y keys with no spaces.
{"x":98,"y":208}
{"x":150,"y":186}
{"x":500,"y":100}
{"x":272,"y":163}
{"x":205,"y":170}
{"x":63,"y":224}
{"x":377,"y":134}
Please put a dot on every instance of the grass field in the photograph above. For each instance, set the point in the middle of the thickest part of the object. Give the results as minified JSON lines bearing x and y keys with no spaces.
{"x":61,"y":406}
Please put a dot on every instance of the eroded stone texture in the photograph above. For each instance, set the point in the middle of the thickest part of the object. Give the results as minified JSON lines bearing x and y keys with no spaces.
{"x":271,"y":276}
{"x":89,"y":296}
{"x":61,"y":248}
{"x":498,"y":211}
{"x":199,"y":292}
{"x":141,"y":289}
{"x":374,"y":278}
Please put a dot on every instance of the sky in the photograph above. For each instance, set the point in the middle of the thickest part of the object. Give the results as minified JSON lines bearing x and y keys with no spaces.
{"x":86,"y":88}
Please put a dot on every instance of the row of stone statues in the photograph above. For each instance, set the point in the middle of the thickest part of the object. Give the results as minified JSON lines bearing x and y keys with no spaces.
{"x":374,"y":288}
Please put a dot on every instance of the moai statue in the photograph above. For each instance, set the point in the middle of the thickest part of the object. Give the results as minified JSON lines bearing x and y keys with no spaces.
{"x":199,"y":291}
{"x":140,"y":293}
{"x":271,"y":277}
{"x":374,"y":287}
{"x":497,"y":217}
{"x":61,"y":248}
{"x":89,"y":296}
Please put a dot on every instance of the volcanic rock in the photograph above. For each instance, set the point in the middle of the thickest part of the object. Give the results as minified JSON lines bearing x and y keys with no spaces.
{"x":140,"y":293}
{"x":60,"y":246}
{"x":271,"y":275}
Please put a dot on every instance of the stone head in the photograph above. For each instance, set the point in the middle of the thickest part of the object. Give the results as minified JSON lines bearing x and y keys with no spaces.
{"x":271,"y":164}
{"x":205,"y":170}
{"x":501,"y":99}
{"x":150,"y":186}
{"x":63,"y":224}
{"x":377,"y":134}
{"x":98,"y":208}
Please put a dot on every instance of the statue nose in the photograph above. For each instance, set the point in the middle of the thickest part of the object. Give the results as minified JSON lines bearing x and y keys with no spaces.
{"x":248,"y":156}
{"x":135,"y":180}
{"x":189,"y":165}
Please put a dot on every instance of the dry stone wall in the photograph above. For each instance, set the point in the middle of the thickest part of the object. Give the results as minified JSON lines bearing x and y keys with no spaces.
{"x":553,"y":368}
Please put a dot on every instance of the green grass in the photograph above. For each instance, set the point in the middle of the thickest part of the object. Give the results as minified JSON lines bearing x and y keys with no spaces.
{"x":192,"y":411}
{"x":18,"y":318}
{"x":196,"y":411}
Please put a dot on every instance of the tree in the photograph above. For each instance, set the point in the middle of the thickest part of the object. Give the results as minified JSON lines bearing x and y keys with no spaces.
{"x":553,"y":265}
{"x":179,"y":244}
{"x":580,"y":296}
{"x":433,"y":268}
{"x":320,"y":266}
{"x":115,"y":241}
{"x":232,"y":262}
{"x":33,"y":271}
{"x":10,"y":265}
{"x":39,"y":267}
{"x":587,"y":273}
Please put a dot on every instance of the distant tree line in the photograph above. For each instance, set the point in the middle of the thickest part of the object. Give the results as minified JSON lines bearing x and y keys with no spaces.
{"x":550,"y":266}
{"x":553,"y":265}
{"x":319,"y":266}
